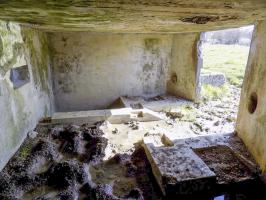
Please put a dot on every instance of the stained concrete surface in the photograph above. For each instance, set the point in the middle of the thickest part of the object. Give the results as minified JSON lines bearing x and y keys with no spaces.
{"x":185,"y":67}
{"x":251,"y":116}
{"x":22,"y":115}
{"x":21,"y":108}
{"x":87,"y":67}
{"x":133,"y":16}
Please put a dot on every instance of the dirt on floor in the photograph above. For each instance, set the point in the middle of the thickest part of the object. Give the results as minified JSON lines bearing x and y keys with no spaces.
{"x":211,"y":116}
{"x":106,"y":161}
{"x":225,"y":164}
{"x":65,"y":162}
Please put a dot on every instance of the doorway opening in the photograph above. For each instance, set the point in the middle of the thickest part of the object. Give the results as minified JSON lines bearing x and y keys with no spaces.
{"x":225,"y":55}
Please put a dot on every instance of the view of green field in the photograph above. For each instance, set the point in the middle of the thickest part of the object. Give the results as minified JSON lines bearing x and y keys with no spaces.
{"x":228,"y":59}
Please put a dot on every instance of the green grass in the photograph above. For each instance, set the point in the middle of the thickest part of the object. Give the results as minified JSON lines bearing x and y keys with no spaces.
{"x":228,"y":59}
{"x":209,"y":92}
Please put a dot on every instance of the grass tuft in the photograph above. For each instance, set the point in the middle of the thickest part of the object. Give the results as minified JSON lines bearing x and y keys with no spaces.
{"x":210,"y":93}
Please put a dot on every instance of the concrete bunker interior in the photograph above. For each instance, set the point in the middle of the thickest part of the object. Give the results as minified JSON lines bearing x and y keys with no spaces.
{"x":98,"y":98}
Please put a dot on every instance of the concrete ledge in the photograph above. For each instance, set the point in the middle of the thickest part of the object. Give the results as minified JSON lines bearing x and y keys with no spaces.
{"x":81,"y":117}
{"x":114,"y":116}
{"x":158,"y":103}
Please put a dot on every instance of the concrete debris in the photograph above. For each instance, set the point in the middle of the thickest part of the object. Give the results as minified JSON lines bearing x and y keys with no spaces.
{"x":216,"y":80}
{"x":177,"y":167}
{"x":134,"y":125}
{"x":115,"y":131}
{"x":32,"y":134}
{"x":174,"y":114}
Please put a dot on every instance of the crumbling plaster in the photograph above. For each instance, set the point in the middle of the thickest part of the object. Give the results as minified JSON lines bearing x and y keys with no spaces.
{"x":21,"y":108}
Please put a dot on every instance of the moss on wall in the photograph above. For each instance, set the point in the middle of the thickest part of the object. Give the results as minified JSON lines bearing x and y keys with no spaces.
{"x":1,"y":47}
{"x":38,"y":52}
{"x":11,"y":46}
{"x":22,"y":107}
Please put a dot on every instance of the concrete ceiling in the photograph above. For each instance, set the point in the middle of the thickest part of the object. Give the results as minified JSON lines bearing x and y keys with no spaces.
{"x":133,"y":16}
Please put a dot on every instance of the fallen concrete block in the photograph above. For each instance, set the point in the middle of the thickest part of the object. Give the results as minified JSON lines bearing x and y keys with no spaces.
{"x":216,"y":80}
{"x":182,"y":166}
{"x":179,"y":171}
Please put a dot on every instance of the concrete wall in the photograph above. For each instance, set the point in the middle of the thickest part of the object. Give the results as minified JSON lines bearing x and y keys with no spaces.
{"x":93,"y":70}
{"x":185,"y":66}
{"x":21,"y":108}
{"x":90,"y":71}
{"x":251,"y":123}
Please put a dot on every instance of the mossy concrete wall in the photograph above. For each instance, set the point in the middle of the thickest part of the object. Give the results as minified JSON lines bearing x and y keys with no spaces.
{"x":21,"y":108}
{"x":90,"y":71}
{"x":251,"y":122}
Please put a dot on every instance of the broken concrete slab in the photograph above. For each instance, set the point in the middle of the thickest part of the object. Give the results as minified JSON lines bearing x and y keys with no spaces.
{"x":178,"y":170}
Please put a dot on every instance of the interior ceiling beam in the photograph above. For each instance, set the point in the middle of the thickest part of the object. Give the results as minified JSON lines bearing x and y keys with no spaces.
{"x":133,"y":16}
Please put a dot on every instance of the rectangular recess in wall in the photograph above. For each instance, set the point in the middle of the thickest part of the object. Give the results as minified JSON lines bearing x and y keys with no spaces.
{"x":19,"y":76}
{"x":1,"y":88}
